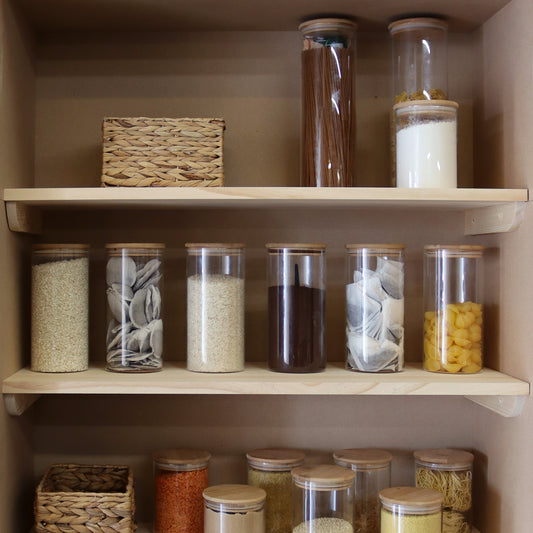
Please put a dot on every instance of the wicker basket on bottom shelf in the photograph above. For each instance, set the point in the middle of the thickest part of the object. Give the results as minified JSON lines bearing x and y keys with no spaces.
{"x":163,"y":152}
{"x":95,"y":498}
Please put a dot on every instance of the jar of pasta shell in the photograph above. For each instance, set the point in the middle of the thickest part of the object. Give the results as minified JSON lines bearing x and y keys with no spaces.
{"x":453,"y":308}
{"x":450,"y":473}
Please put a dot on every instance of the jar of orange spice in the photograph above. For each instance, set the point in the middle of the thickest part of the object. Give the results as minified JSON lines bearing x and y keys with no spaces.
{"x":180,"y":477}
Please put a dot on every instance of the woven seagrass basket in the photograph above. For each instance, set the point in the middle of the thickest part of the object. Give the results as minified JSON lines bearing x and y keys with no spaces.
{"x":95,"y":498}
{"x":163,"y":152}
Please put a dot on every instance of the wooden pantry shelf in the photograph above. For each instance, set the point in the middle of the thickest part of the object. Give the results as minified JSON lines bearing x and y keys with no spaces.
{"x":485,"y":210}
{"x":489,"y":388}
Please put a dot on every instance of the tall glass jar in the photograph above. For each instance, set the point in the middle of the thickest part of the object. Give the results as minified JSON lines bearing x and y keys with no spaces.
{"x":134,"y":338}
{"x":215,"y":307}
{"x":180,"y":477}
{"x":270,"y":469}
{"x":374,"y":307}
{"x":328,"y":103}
{"x":60,"y":308}
{"x":453,"y":309}
{"x":322,"y":499}
{"x":450,"y":473}
{"x":372,"y":474}
{"x":234,"y":509}
{"x":410,"y":510}
{"x":296,"y":307}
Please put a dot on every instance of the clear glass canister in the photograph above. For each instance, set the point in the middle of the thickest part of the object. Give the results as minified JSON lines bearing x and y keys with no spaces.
{"x":450,"y":473}
{"x":410,"y":510}
{"x":215,"y":307}
{"x":60,"y":308}
{"x":374,"y":307}
{"x":322,"y":499}
{"x":134,"y":338}
{"x":372,"y":474}
{"x":426,"y":144}
{"x":180,"y":477}
{"x":234,"y":509}
{"x":453,"y":308}
{"x":420,"y":59}
{"x":270,"y":469}
{"x":296,"y":307}
{"x":328,"y":103}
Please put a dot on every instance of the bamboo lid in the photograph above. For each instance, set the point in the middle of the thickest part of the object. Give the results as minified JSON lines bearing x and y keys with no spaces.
{"x":362,"y":458}
{"x":454,"y":250}
{"x":134,"y":245}
{"x":275,"y":459}
{"x":327,"y":24}
{"x":414,"y":498}
{"x":296,"y":247}
{"x":182,"y":458}
{"x":235,"y":496}
{"x":323,"y":476}
{"x":60,"y":247}
{"x":415,"y":23}
{"x":374,"y":247}
{"x":214,"y":245}
{"x":444,"y":458}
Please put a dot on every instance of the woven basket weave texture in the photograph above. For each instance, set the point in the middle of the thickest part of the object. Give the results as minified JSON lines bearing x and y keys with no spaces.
{"x":163,"y":152}
{"x":75,"y":498}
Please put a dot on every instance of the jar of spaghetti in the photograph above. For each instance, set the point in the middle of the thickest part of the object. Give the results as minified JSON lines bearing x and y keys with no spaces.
{"x":180,"y":477}
{"x":270,"y":469}
{"x":453,"y":312}
{"x":328,"y":102}
{"x":410,"y":510}
{"x":134,"y":340}
{"x":450,"y":473}
{"x":372,"y":474}
{"x":215,"y":307}
{"x":322,"y":499}
{"x":234,"y":509}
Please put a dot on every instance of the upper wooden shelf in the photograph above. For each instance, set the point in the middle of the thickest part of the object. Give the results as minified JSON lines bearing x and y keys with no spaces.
{"x":486,"y":210}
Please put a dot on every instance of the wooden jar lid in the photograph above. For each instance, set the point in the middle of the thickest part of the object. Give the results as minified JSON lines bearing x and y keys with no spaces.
{"x":135,"y":245}
{"x":411,"y":23}
{"x":182,"y":457}
{"x":362,"y":458}
{"x":444,"y":458}
{"x":214,"y":245}
{"x":60,"y":247}
{"x":454,"y":250}
{"x":275,"y":459}
{"x":296,"y":247}
{"x":235,"y":496}
{"x":412,"y":498}
{"x":378,"y":246}
{"x":323,"y":476}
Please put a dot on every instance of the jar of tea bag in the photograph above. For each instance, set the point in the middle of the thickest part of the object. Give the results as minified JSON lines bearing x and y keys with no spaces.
{"x":374,"y":307}
{"x":270,"y":469}
{"x":453,"y":308}
{"x":60,"y":308}
{"x":450,"y":473}
{"x":134,"y":313}
{"x":372,"y":474}
{"x":215,"y":307}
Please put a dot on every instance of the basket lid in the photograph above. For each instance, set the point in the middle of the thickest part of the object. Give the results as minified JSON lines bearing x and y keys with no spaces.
{"x":235,"y":496}
{"x":182,"y":457}
{"x":414,"y":498}
{"x":444,"y":458}
{"x":275,"y":459}
{"x":323,"y":476}
{"x":362,"y":458}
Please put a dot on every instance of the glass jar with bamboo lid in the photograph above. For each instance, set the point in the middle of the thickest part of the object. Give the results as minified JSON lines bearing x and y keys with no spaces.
{"x":449,"y":472}
{"x":410,"y":510}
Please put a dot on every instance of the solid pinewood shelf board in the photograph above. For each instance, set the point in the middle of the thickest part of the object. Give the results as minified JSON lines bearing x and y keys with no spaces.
{"x":257,"y":379}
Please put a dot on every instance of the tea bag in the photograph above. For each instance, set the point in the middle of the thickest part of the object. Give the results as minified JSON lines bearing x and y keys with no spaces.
{"x":368,"y":355}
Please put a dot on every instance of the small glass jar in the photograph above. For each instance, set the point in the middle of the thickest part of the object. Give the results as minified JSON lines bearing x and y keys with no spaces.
{"x":372,"y":474}
{"x":328,"y":103}
{"x":450,"y":473}
{"x":322,"y":499}
{"x":180,"y":477}
{"x":215,"y":307}
{"x":60,"y":308}
{"x":296,"y":307}
{"x":410,"y":510}
{"x":426,"y":144}
{"x":374,"y":307}
{"x":270,"y":469}
{"x":134,"y":338}
{"x":234,"y":509}
{"x":453,"y":311}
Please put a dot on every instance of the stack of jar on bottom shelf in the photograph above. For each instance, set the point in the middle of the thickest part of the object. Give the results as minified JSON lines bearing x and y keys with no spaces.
{"x":287,"y":493}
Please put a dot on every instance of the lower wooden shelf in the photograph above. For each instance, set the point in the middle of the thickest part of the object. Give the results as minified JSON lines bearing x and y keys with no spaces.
{"x":490,"y":388}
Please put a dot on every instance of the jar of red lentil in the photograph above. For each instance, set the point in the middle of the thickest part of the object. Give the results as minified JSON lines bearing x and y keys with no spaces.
{"x":180,"y":476}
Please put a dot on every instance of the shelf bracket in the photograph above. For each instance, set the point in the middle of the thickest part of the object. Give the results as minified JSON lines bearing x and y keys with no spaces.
{"x":494,"y":218}
{"x":508,"y":406}
{"x":17,"y":404}
{"x":24,"y":218}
